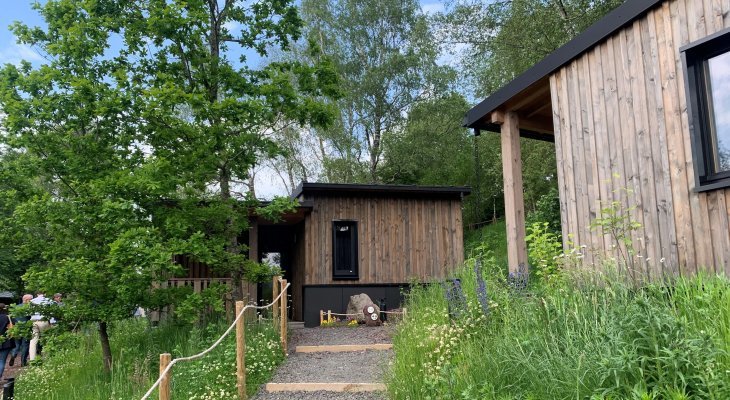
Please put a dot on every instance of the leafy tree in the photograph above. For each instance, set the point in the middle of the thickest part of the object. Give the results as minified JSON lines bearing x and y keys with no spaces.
{"x":144,"y":120}
{"x":385,"y":54}
{"x":433,"y":148}
{"x":496,"y":41}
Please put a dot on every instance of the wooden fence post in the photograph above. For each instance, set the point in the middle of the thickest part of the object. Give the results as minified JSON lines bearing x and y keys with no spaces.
{"x":405,"y":312}
{"x":240,"y":352}
{"x":283,"y":315}
{"x":321,"y":317}
{"x":275,"y":288}
{"x":329,"y":315}
{"x":165,"y":382}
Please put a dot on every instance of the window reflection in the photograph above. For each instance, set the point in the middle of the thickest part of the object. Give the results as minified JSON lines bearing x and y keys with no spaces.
{"x":719,"y":86}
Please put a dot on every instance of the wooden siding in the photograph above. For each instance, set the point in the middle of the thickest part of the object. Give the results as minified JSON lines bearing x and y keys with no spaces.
{"x":622,"y":134}
{"x":399,"y":239}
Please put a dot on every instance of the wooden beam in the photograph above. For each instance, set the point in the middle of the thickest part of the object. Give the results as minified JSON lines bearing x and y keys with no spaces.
{"x":253,"y":255}
{"x":538,"y":124}
{"x":514,"y":204}
{"x":497,"y":117}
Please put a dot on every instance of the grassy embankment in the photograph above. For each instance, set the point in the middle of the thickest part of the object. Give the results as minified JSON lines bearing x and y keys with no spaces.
{"x":72,"y":369}
{"x":581,"y":337}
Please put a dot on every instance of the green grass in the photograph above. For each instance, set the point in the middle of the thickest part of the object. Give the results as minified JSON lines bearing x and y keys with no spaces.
{"x":72,"y":368}
{"x":492,"y":237}
{"x":584,"y":338}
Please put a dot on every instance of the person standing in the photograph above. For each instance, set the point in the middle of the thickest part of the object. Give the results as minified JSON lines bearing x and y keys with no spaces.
{"x":40,"y":324}
{"x":6,"y":343}
{"x":21,"y":343}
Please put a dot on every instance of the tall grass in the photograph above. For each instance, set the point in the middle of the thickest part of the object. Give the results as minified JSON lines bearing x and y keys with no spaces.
{"x":71,"y":367}
{"x":597,"y":338}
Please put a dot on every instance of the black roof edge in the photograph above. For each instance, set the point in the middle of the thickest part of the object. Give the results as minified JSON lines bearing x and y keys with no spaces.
{"x":380,"y":189}
{"x":613,"y":21}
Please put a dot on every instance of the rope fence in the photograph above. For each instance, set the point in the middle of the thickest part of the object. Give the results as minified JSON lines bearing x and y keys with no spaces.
{"x":329,"y":314}
{"x":278,"y":304}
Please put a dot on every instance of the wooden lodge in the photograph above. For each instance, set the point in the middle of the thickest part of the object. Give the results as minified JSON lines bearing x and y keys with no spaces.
{"x":346,"y":239}
{"x":638,"y":107}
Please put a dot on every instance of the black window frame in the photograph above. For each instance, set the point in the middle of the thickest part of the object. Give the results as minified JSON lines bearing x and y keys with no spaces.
{"x":694,"y":59}
{"x":340,"y":273}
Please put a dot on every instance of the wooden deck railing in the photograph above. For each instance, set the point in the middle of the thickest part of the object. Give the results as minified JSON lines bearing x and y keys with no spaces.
{"x":280,"y":302}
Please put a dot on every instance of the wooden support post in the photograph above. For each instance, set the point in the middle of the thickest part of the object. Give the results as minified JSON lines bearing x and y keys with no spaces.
{"x":329,"y":315}
{"x":253,"y":255}
{"x":165,"y":382}
{"x":240,"y":352}
{"x":283,"y":315}
{"x":274,"y":294}
{"x":514,"y":203}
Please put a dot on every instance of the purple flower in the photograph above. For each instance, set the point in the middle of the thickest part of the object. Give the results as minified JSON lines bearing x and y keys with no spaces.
{"x":481,"y":287}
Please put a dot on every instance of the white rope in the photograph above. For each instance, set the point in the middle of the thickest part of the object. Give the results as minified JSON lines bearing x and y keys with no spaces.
{"x":354,"y":315}
{"x":217,"y":342}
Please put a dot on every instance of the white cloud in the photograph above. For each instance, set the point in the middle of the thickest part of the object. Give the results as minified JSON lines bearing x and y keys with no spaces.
{"x":14,"y":53}
{"x":233,"y":27}
{"x":268,"y":184}
{"x":432,"y":8}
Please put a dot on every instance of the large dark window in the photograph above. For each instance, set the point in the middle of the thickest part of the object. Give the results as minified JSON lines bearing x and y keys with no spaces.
{"x":707,"y":72}
{"x":344,"y":249}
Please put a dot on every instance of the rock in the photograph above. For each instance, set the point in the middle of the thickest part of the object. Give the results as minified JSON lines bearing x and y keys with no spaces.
{"x":357,"y":303}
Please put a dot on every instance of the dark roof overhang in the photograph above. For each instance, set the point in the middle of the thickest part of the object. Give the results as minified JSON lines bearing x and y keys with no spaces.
{"x":478,"y":117}
{"x":355,"y":190}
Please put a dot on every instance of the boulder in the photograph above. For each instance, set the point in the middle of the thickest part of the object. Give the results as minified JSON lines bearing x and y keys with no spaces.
{"x":357,"y":303}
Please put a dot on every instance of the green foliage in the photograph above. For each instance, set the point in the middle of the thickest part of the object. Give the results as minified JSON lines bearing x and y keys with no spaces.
{"x":131,"y":137}
{"x":547,"y":209}
{"x":544,"y":248}
{"x":385,"y":54}
{"x":70,"y":366}
{"x":592,"y":336}
{"x":433,"y":148}
{"x":615,"y":220}
{"x":260,"y":272}
{"x":276,"y":208}
{"x":195,"y":306}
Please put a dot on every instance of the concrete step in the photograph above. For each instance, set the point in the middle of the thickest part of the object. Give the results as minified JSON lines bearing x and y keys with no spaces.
{"x":343,"y":347}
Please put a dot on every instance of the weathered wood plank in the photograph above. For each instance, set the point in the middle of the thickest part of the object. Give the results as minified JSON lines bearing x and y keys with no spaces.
{"x":658,"y":135}
{"x":513,"y":192}
{"x":675,"y":146}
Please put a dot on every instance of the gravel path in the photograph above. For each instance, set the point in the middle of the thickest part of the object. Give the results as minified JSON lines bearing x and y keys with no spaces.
{"x":342,"y":335}
{"x":320,"y":396}
{"x":361,"y":367}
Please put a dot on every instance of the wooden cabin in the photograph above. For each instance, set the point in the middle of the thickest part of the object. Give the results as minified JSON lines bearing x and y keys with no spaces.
{"x":346,"y":239}
{"x":638,"y":107}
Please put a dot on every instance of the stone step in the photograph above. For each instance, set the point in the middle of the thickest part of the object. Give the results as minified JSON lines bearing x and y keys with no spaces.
{"x":325,"y":387}
{"x":343,"y":347}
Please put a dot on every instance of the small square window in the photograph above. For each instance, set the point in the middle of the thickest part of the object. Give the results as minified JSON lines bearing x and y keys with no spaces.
{"x":344,"y":250}
{"x":707,"y":75}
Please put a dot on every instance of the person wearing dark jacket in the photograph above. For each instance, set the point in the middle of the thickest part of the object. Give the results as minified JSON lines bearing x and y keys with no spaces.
{"x":21,"y":343}
{"x":6,"y":343}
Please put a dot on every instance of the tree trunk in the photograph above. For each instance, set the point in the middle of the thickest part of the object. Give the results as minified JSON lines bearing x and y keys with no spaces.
{"x":106,"y":350}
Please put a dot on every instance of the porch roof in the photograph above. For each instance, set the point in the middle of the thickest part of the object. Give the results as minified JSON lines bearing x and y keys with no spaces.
{"x":529,"y":93}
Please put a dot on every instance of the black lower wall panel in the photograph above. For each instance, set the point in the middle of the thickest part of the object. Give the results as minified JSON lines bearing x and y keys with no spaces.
{"x":336,"y":298}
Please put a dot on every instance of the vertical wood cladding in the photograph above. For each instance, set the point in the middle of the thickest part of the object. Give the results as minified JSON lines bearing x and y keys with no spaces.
{"x":399,"y":239}
{"x":622,"y":134}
